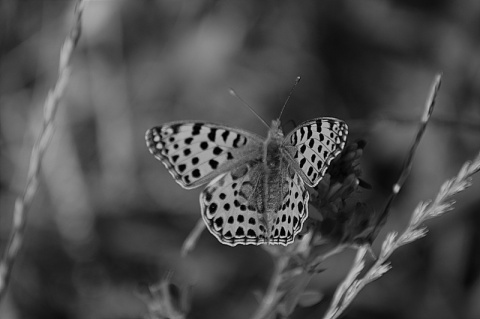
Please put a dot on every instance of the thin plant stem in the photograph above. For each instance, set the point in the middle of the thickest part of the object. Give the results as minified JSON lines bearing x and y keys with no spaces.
{"x":272,"y":295}
{"x":442,"y":203}
{"x":24,"y":201}
{"x":407,"y":165}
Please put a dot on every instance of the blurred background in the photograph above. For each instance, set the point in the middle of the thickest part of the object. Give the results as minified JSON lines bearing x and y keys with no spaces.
{"x":108,"y":218}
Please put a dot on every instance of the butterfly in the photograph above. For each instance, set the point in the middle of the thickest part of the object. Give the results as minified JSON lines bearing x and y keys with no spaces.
{"x":256,"y":188}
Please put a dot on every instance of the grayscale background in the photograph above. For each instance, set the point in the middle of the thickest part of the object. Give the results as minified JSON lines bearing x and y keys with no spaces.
{"x":108,"y":218}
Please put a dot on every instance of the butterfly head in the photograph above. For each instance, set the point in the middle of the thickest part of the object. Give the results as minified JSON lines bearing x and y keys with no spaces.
{"x":275,"y":129}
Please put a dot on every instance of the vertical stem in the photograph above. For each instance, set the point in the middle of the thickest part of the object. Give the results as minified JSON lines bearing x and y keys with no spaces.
{"x":272,"y":295}
{"x":23,"y":201}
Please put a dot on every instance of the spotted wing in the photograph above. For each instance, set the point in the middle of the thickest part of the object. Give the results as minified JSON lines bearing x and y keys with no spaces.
{"x":293,"y":212}
{"x":314,"y":144}
{"x":235,"y":210}
{"x":196,"y":152}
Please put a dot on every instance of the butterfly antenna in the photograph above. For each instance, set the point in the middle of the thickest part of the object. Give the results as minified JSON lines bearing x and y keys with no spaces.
{"x":289,"y":94}
{"x":232,"y":92}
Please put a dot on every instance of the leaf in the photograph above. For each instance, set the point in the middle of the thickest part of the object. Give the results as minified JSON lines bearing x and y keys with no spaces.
{"x":309,"y":298}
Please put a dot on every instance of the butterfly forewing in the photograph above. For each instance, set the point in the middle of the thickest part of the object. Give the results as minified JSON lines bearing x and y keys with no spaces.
{"x":315,"y":144}
{"x":195,"y":152}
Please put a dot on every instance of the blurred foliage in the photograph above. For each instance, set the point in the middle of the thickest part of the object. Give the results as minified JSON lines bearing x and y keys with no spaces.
{"x":108,"y":217}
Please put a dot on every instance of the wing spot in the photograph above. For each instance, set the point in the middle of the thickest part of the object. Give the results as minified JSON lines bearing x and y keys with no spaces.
{"x":187,"y":152}
{"x":302,"y":162}
{"x":225,"y":135}
{"x":300,"y":207}
{"x":196,"y":173}
{"x":222,"y":195}
{"x":204,"y":145}
{"x":251,"y":233}
{"x":208,"y":197}
{"x":217,"y":150}
{"x":226,"y":206}
{"x":240,"y":232}
{"x":212,"y":208}
{"x":181,"y":168}
{"x":218,"y":222}
{"x":188,"y":140}
{"x":230,"y":220}
{"x":319,"y":164}
{"x":196,"y":129}
{"x":213,"y":164}
{"x":195,"y":160}
{"x":240,"y":218}
{"x":211,"y":135}
{"x":236,"y":141}
{"x":310,"y":171}
{"x":251,"y":221}
{"x":309,"y":132}
{"x":294,"y":139}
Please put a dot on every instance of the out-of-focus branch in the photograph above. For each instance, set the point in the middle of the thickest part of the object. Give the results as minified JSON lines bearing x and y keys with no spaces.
{"x":50,"y":107}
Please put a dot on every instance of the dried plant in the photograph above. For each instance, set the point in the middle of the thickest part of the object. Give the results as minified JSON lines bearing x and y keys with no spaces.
{"x":442,"y":203}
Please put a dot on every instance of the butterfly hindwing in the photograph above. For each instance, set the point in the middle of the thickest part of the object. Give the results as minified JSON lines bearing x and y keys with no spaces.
{"x":230,"y":209}
{"x":293,"y":211}
{"x":315,"y":144}
{"x":235,"y":211}
{"x":194,"y":152}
